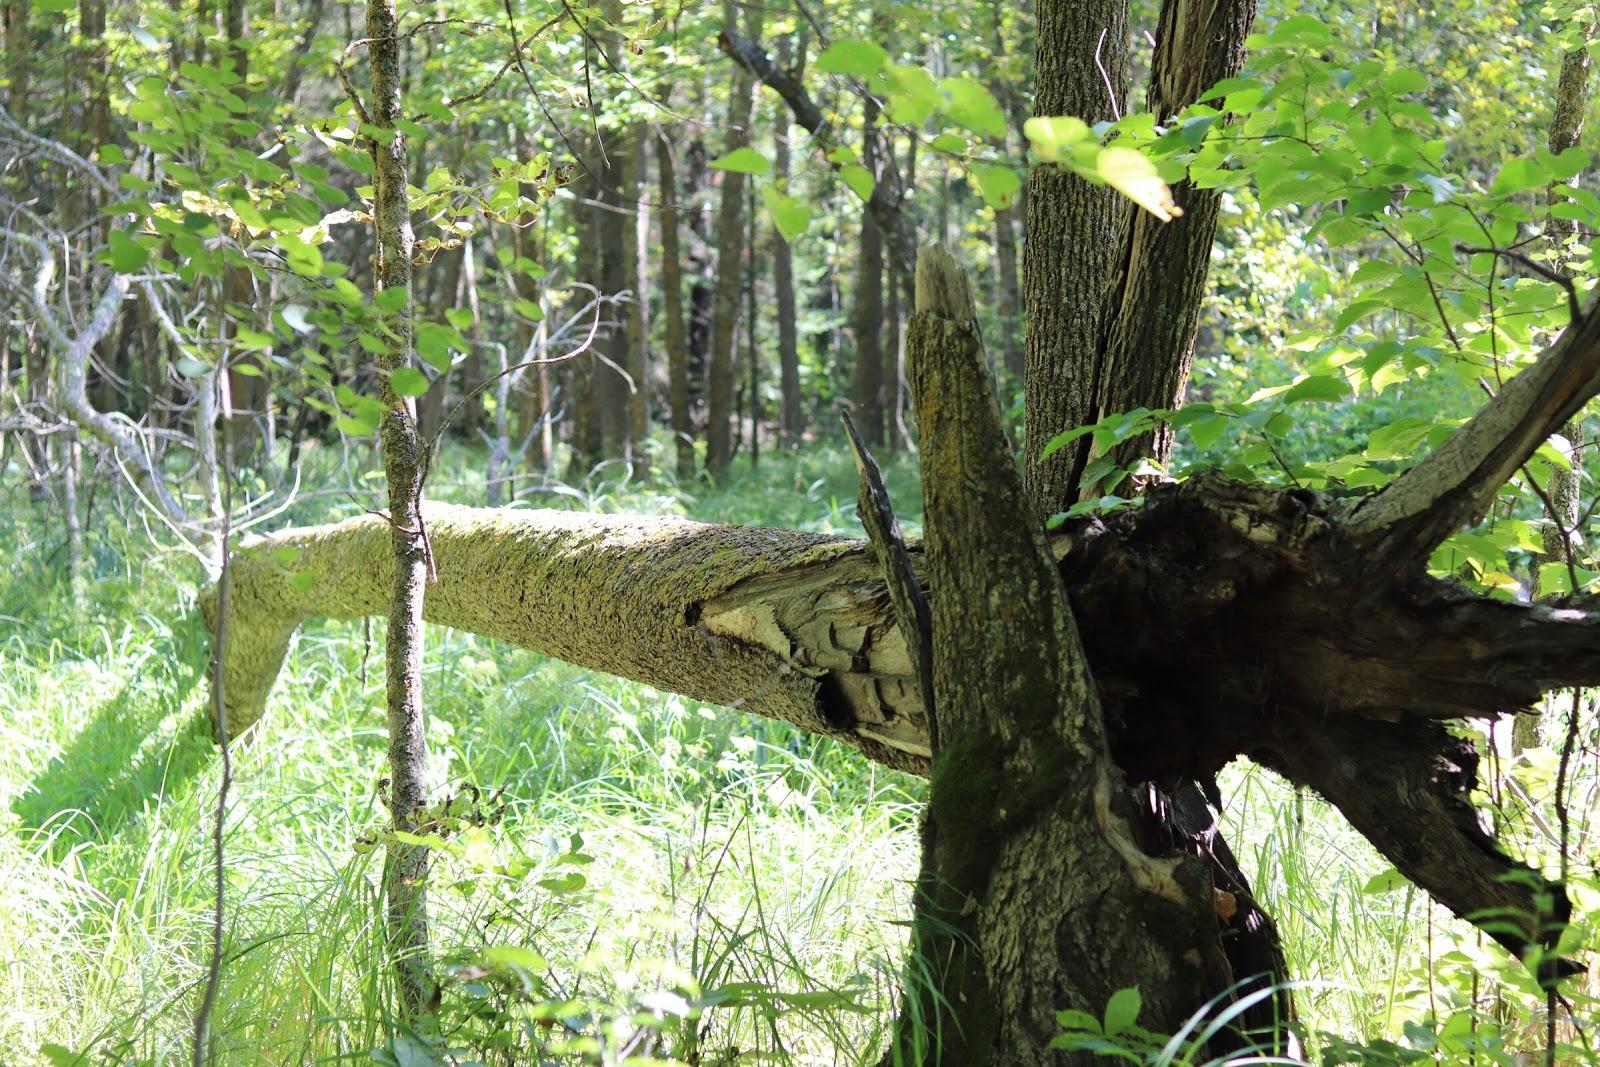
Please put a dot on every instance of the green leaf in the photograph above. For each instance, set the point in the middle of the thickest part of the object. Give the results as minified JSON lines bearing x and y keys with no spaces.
{"x":790,"y":215}
{"x":1063,"y":439}
{"x":55,"y":7}
{"x":408,"y":381}
{"x":392,"y":300}
{"x":1072,"y":1019}
{"x":856,"y":58}
{"x":1554,"y":578}
{"x":1519,"y":175}
{"x":190,"y":367}
{"x":1569,"y":164}
{"x":1384,"y":882}
{"x":1304,"y":31}
{"x":514,"y":956}
{"x":998,"y":184}
{"x":744,"y":160}
{"x":949,"y":142}
{"x":356,"y":426}
{"x":859,"y":179}
{"x":246,"y":338}
{"x":528,"y":310}
{"x":1327,"y":387}
{"x":913,"y":95}
{"x":1205,"y":432}
{"x":1400,"y":439}
{"x":125,"y":254}
{"x":973,"y":107}
{"x":1053,"y":137}
{"x":1122,"y":1011}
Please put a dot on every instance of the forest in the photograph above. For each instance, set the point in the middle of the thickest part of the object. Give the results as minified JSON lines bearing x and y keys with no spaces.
{"x":631,"y":532}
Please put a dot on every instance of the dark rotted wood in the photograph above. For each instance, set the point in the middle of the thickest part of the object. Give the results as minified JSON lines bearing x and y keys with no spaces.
{"x":1271,"y":643}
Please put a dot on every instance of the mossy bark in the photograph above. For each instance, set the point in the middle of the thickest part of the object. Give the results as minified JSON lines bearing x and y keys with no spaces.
{"x":1034,"y":896}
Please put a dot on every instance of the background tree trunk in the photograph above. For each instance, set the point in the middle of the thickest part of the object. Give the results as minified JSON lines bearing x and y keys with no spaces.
{"x":672,"y":307}
{"x":792,"y":413}
{"x":730,"y":268}
{"x":866,"y":383}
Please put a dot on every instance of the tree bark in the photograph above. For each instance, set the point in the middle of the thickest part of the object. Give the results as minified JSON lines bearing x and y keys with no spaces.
{"x":730,"y":269}
{"x":792,"y":414}
{"x":404,"y":461}
{"x":636,"y":269}
{"x":1027,"y":846}
{"x":1129,"y":341}
{"x":672,"y":307}
{"x":866,"y":382}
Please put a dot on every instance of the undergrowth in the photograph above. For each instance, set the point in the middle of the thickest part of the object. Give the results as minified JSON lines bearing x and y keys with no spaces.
{"x":658,"y":878}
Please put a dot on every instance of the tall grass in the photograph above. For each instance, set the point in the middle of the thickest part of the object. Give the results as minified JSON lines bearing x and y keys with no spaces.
{"x":666,"y":878}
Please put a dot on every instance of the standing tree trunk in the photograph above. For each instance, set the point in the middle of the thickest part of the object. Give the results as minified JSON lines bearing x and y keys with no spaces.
{"x":582,"y":375}
{"x":792,"y":414}
{"x":1075,"y":233}
{"x":1127,"y":338}
{"x":730,"y":268}
{"x":404,"y":466}
{"x":672,"y":308}
{"x":1028,"y":846}
{"x":528,"y":245}
{"x":636,"y":268}
{"x":866,"y":380}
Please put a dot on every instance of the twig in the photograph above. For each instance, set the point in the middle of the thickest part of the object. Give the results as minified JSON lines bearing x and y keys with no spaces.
{"x":1550,"y":274}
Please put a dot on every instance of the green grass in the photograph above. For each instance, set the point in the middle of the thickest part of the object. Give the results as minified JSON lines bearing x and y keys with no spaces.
{"x":743,"y":887}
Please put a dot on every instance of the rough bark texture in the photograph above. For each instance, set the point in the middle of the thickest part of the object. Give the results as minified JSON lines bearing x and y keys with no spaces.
{"x":1028,"y":853}
{"x":1126,"y":337}
{"x":406,"y":869}
{"x":866,"y":379}
{"x":1074,"y":236}
{"x":787,"y":624}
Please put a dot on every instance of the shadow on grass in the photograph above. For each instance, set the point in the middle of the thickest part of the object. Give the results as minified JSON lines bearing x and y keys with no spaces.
{"x":128,"y":752}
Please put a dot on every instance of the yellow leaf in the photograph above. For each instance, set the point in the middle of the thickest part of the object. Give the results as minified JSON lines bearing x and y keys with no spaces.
{"x":1135,"y":176}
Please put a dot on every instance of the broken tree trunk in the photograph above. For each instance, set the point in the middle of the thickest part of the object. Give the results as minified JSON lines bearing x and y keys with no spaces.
{"x":1028,"y":844}
{"x":1217,"y":619}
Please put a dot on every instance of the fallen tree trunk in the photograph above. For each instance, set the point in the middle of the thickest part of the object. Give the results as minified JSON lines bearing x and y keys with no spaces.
{"x":1217,"y":621}
{"x":791,"y":625}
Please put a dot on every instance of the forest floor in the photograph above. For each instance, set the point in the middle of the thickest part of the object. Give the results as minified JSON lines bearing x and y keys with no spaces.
{"x":668,"y":877}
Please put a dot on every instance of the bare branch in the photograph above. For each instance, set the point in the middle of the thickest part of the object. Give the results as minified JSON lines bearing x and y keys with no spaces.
{"x":1458,"y":481}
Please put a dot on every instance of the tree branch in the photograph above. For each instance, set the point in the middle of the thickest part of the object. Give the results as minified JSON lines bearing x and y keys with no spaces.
{"x":887,"y":196}
{"x":1454,"y":485}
